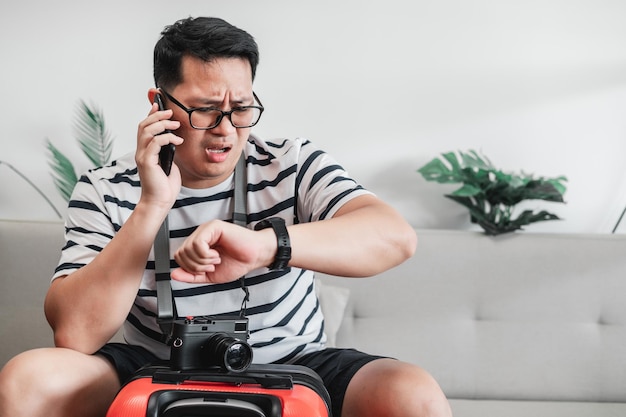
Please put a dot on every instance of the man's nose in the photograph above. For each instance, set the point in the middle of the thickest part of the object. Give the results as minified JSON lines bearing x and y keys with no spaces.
{"x":224,"y":127}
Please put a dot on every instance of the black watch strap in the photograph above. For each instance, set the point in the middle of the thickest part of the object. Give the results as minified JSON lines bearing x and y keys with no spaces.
{"x":283,"y":253}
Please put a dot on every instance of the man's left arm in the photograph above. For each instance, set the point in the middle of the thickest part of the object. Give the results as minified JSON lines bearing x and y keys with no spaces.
{"x":365,"y":237}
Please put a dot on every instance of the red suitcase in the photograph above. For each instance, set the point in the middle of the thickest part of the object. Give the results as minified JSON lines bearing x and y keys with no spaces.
{"x":260,"y":391}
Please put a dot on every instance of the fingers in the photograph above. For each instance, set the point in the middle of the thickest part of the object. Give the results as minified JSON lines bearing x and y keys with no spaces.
{"x":150,"y":138}
{"x":196,"y":257}
{"x":202,"y":254}
{"x":156,"y":187}
{"x":181,"y":275}
{"x":197,"y":261}
{"x":217,"y":252}
{"x":157,"y":122}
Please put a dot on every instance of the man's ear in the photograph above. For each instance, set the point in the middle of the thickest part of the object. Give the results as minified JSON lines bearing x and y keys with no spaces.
{"x":152,"y":93}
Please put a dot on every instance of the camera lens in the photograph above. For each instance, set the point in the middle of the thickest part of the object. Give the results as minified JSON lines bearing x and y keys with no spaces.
{"x":230,"y":353}
{"x":238,"y":356}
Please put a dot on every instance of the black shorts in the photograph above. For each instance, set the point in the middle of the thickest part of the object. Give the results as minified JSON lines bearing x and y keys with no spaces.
{"x":336,"y":367}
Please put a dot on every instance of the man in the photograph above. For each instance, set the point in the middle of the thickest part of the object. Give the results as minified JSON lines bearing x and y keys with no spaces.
{"x":204,"y":69}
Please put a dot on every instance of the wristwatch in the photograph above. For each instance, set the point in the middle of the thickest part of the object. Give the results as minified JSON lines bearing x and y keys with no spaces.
{"x":283,"y":253}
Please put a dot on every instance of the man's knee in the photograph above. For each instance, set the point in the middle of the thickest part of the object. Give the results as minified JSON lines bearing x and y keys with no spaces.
{"x":53,"y":381}
{"x":24,"y":374}
{"x":393,"y":388}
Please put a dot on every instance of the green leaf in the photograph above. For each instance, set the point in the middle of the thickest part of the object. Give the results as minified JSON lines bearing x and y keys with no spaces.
{"x":467,"y":190}
{"x":91,"y":133}
{"x":528,"y":217}
{"x":64,"y":174}
{"x":542,"y":190}
{"x":558,"y":184}
{"x":453,"y":161}
{"x":472,"y":159}
{"x":436,"y":170}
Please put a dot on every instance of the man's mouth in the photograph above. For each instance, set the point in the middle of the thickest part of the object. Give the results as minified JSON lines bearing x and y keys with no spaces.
{"x":218,"y":150}
{"x":218,"y":153}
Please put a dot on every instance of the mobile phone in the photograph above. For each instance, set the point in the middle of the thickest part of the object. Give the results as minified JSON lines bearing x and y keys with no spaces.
{"x":166,"y":155}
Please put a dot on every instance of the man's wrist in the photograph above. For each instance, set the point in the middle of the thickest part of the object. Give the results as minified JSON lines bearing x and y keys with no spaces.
{"x":283,"y":250}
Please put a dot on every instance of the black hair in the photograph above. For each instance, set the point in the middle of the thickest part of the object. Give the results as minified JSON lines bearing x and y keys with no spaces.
{"x":205,"y":38}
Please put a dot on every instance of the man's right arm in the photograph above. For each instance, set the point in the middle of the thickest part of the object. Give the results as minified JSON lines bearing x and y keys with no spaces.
{"x":87,"y":307}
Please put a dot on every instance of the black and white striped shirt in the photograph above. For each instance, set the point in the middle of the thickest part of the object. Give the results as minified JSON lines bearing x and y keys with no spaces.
{"x":291,"y":179}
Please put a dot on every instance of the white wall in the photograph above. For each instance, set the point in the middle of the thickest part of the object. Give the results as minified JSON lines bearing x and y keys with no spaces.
{"x":537,"y":85}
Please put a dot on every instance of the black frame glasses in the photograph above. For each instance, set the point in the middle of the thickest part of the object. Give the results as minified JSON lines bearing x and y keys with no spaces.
{"x":218,"y":120}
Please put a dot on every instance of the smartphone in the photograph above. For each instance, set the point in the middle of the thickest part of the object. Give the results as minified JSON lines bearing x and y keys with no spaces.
{"x":166,"y":155}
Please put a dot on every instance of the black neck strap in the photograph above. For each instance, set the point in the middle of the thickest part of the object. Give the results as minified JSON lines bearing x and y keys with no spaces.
{"x":166,"y":306}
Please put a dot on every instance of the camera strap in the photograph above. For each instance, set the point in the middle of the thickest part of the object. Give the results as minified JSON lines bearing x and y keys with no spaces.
{"x":166,"y":305}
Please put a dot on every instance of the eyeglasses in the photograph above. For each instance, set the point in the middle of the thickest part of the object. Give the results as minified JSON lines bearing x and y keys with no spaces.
{"x":205,"y":118}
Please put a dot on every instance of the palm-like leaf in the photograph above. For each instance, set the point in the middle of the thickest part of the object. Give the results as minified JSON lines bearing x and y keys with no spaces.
{"x":63,"y":171}
{"x":94,"y":139}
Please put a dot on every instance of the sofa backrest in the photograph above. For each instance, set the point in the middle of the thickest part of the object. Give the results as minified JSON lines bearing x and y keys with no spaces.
{"x":520,"y":316}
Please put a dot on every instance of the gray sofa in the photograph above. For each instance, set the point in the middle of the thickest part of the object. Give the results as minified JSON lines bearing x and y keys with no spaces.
{"x":518,"y":325}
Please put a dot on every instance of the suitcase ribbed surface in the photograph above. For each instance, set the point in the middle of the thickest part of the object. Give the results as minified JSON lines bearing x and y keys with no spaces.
{"x":305,"y":397}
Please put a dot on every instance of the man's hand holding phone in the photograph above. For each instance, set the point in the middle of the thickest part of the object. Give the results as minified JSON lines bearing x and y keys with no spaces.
{"x":156,"y":132}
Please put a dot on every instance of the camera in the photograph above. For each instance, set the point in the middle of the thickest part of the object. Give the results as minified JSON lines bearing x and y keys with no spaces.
{"x":210,"y":341}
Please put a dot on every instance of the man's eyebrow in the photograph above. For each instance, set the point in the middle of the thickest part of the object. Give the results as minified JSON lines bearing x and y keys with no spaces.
{"x":244,"y":101}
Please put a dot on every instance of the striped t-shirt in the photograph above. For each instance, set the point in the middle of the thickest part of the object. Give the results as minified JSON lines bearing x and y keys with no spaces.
{"x":291,"y":179}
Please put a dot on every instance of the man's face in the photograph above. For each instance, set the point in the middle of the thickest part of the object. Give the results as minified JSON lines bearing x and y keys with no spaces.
{"x":208,"y":157}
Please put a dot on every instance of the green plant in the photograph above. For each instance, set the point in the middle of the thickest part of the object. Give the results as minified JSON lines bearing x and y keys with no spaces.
{"x":491,"y":194}
{"x":95,"y":142}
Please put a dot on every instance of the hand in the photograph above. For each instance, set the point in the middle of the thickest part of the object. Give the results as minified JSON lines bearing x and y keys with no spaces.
{"x":219,"y":252}
{"x":156,"y":187}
